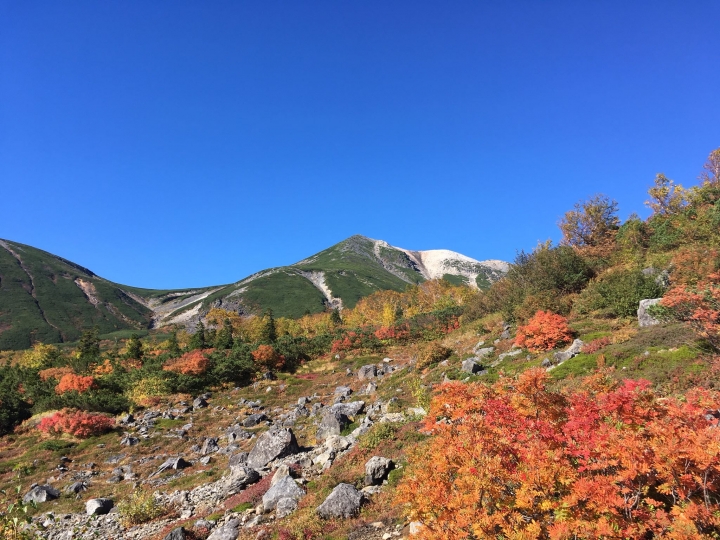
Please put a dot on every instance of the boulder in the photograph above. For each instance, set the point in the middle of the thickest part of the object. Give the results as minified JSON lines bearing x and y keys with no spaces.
{"x":210,"y":446}
{"x":199,"y":403}
{"x":349,"y":409}
{"x":285,"y":507}
{"x":127,"y":440}
{"x":237,"y":459}
{"x":240,"y":478}
{"x":176,"y":534}
{"x":343,"y":391}
{"x":471,"y":366}
{"x":644,"y":318}
{"x":273,"y":444}
{"x":376,"y":470}
{"x":286,"y":488}
{"x":483,"y":352}
{"x":41,"y":494}
{"x":76,"y":487}
{"x":344,"y":501}
{"x":367,"y":372}
{"x":98,"y":507}
{"x":254,"y":419}
{"x":229,"y":531}
{"x":175,"y":463}
{"x":509,"y":353}
{"x":236,"y":433}
{"x":332,"y":423}
{"x":570,"y":352}
{"x":281,"y":472}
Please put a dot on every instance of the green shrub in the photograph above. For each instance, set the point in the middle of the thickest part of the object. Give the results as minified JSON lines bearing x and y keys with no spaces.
{"x":377,"y":434}
{"x":618,"y":293}
{"x":55,"y":445}
{"x":140,"y":507}
{"x":432,"y":353}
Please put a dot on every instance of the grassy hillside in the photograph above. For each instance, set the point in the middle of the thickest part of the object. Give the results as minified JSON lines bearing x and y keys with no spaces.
{"x":48,"y":299}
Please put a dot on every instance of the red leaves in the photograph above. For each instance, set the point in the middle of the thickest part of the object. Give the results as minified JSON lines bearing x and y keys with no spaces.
{"x":191,"y":363}
{"x":77,"y":383}
{"x":268,"y":358}
{"x":518,"y":460}
{"x":544,"y":331}
{"x":699,"y":306}
{"x":78,"y":423}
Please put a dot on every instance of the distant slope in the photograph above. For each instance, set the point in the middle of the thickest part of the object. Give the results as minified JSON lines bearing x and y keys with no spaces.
{"x":45,"y":298}
{"x":48,"y":299}
{"x":340,"y":276}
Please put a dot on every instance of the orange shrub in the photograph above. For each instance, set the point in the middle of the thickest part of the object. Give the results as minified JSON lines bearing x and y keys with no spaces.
{"x":698,"y":306}
{"x":56,"y":373}
{"x":518,"y":460}
{"x":191,"y":363}
{"x":78,"y":423}
{"x":77,"y":383}
{"x":544,"y":331}
{"x":596,"y":344}
{"x":267,"y":357}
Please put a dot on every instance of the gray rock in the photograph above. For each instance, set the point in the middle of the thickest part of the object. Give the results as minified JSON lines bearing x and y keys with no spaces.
{"x":176,"y":534}
{"x":348,"y":409}
{"x":546,"y":363}
{"x":570,"y":352}
{"x":343,"y":391}
{"x":254,"y":419}
{"x":199,"y":403}
{"x":238,"y":459}
{"x":229,"y":531}
{"x":41,"y":494}
{"x":510,"y":353}
{"x":236,"y":433}
{"x":98,"y":507}
{"x":486,"y":351}
{"x":286,"y":488}
{"x":76,"y":487}
{"x":127,"y":440}
{"x":376,"y":470}
{"x":644,"y":318}
{"x":210,"y":446}
{"x":176,"y":463}
{"x":285,"y":507}
{"x":274,"y":443}
{"x":344,"y":501}
{"x":470,"y":366}
{"x":332,"y":423}
{"x":367,"y":372}
{"x":240,"y":478}
{"x":371,"y":388}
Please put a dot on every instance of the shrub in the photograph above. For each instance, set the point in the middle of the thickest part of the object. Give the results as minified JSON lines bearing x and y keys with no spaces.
{"x":140,"y":507}
{"x":148,"y":391}
{"x":618,"y":292}
{"x":432,"y":353}
{"x":77,"y":423}
{"x":377,"y":434}
{"x":606,"y":461}
{"x":544,"y":331}
{"x":75,"y":383}
{"x":191,"y":363}
{"x":56,"y":373}
{"x":596,"y":344}
{"x":699,"y":306}
{"x":267,"y":357}
{"x":40,"y":355}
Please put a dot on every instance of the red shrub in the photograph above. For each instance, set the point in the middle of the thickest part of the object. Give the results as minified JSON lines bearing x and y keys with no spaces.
{"x":54,"y":373}
{"x":267,"y":357}
{"x":77,"y":383}
{"x":78,"y":423}
{"x":191,"y":363}
{"x":544,"y":331}
{"x":595,"y":345}
{"x":252,"y":495}
{"x":698,"y":306}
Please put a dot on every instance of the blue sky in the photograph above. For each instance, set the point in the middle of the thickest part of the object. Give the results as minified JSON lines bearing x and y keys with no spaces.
{"x":173,"y":144}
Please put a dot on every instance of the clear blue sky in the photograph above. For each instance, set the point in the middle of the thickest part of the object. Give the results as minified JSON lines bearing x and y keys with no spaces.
{"x":174,"y":143}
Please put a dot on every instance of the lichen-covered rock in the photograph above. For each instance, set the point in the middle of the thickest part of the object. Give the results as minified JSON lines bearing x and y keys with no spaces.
{"x":41,"y":494}
{"x":273,"y":444}
{"x":367,"y":372}
{"x":343,"y":502}
{"x":470,"y":366}
{"x":572,"y":351}
{"x":644,"y":318}
{"x":286,"y":488}
{"x":332,"y":423}
{"x":98,"y":507}
{"x":376,"y":470}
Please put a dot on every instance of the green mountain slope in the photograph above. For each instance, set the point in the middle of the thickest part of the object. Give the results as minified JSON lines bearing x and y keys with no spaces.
{"x":45,"y":298}
{"x":48,"y":299}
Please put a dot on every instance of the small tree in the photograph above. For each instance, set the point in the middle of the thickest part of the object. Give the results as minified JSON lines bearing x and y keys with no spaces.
{"x":267,"y":357}
{"x":173,"y":345}
{"x":711,"y":172}
{"x":268,"y":332}
{"x":224,"y":338}
{"x":666,"y":197}
{"x":335,"y":317}
{"x":134,"y":347}
{"x":590,"y":223}
{"x":198,"y":339}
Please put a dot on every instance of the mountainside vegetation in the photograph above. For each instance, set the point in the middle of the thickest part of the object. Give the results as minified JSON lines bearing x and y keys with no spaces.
{"x":578,"y":396}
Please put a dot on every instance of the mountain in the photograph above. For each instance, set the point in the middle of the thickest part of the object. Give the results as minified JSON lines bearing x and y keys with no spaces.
{"x":49,"y":299}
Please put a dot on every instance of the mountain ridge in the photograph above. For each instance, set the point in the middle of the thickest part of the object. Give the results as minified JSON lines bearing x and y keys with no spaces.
{"x":46,"y":298}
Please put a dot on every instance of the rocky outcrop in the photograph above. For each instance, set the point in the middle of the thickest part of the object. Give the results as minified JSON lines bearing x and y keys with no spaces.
{"x":376,"y":470}
{"x":343,"y":502}
{"x":273,"y":444}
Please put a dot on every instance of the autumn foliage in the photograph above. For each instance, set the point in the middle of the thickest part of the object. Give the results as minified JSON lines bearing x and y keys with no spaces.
{"x":78,"y":383}
{"x":544,"y":331}
{"x":56,"y":373}
{"x":699,"y":306}
{"x":267,"y":357}
{"x":517,"y":460}
{"x":77,"y":423}
{"x":191,"y":363}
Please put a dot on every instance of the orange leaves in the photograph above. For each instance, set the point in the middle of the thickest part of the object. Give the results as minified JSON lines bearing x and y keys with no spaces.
{"x":56,"y":373}
{"x":191,"y":363}
{"x":267,"y":357}
{"x":544,"y":331}
{"x":71,"y":382}
{"x":699,"y":306}
{"x":518,"y":460}
{"x":78,"y":423}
